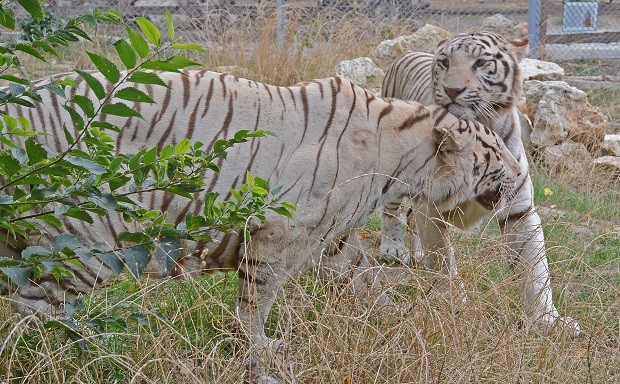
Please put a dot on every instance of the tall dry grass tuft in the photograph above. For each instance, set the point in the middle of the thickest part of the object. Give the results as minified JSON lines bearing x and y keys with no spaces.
{"x":171,"y":331}
{"x":311,"y":45}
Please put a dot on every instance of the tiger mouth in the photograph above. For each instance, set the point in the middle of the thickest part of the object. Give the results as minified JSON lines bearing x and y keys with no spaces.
{"x":489,"y":199}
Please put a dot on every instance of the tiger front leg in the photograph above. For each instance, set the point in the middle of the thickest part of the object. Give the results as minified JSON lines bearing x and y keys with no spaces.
{"x":524,"y":234}
{"x":393,"y":246}
{"x":439,"y":257}
{"x":262,"y":272}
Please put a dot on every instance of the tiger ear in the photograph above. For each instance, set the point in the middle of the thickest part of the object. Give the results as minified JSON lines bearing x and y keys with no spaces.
{"x":446,"y":140}
{"x":519,"y":47}
{"x":441,"y":44}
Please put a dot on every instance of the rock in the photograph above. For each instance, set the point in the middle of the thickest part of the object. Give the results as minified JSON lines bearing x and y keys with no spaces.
{"x":611,"y":144}
{"x":503,"y":26}
{"x":608,"y":163}
{"x":566,"y":155}
{"x":363,"y":72}
{"x":532,"y":69}
{"x":424,"y":39}
{"x":561,"y":113}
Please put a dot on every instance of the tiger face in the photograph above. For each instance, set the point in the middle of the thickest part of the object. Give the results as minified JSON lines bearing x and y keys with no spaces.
{"x":476,"y":75}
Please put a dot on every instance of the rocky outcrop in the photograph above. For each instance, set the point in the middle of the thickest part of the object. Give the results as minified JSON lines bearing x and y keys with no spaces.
{"x":561,"y":113}
{"x":363,"y":72}
{"x":424,"y":39}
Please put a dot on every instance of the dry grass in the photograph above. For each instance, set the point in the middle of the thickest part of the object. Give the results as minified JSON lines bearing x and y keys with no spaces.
{"x":334,"y":337}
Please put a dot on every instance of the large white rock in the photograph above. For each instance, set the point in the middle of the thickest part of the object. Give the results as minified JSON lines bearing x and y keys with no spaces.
{"x":424,"y":39}
{"x":532,"y":69}
{"x":363,"y":72}
{"x":611,"y":144}
{"x":503,"y":26}
{"x":561,"y":113}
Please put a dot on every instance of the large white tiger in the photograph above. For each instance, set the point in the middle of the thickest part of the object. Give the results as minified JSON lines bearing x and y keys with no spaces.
{"x":475,"y":76}
{"x":339,"y":154}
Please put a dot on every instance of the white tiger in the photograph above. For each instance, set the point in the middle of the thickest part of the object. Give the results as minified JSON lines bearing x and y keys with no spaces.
{"x":475,"y":76}
{"x":339,"y":154}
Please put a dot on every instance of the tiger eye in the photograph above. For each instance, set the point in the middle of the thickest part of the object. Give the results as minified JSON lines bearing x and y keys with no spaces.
{"x":445,"y":62}
{"x":479,"y":63}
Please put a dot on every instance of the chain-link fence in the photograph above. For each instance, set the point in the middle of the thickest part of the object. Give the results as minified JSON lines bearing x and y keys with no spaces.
{"x":559,"y":30}
{"x":577,"y":30}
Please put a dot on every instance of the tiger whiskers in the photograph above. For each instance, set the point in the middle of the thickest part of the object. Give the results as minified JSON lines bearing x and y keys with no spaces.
{"x":486,"y":109}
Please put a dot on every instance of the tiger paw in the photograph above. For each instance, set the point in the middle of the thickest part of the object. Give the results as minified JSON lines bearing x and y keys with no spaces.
{"x":271,"y":366}
{"x":564,"y":326}
{"x":393,"y":250}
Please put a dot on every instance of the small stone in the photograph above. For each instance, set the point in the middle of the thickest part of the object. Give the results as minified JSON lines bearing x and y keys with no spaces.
{"x":608,"y":163}
{"x":611,"y":144}
{"x":502,"y":26}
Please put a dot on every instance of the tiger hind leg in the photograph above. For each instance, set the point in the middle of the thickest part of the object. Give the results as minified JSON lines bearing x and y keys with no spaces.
{"x":49,"y":297}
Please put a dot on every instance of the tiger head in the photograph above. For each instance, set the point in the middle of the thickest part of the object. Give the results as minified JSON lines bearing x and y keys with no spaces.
{"x":473,"y":162}
{"x":476,"y":75}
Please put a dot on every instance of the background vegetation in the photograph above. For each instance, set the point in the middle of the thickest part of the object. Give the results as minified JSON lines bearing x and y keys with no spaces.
{"x":164,"y":331}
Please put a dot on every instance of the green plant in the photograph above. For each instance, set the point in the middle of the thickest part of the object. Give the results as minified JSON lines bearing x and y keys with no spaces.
{"x":41,"y":187}
{"x":34,"y":28}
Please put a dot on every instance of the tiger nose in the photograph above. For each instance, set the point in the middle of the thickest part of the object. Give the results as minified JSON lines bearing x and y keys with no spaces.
{"x":453,"y":92}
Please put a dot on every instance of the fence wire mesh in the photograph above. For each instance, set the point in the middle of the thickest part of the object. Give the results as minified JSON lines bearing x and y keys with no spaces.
{"x":565,"y":31}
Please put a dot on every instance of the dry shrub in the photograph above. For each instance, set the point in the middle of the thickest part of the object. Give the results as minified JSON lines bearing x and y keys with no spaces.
{"x":310,"y":46}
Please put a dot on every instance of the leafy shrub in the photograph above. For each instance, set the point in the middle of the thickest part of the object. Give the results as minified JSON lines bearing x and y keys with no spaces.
{"x":38,"y":186}
{"x":34,"y":28}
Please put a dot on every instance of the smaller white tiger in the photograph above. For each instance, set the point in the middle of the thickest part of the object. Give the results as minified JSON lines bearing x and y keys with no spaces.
{"x":475,"y":76}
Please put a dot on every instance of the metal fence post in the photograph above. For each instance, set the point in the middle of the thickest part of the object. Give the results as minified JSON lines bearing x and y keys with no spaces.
{"x":534,"y":17}
{"x":281,"y":19}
